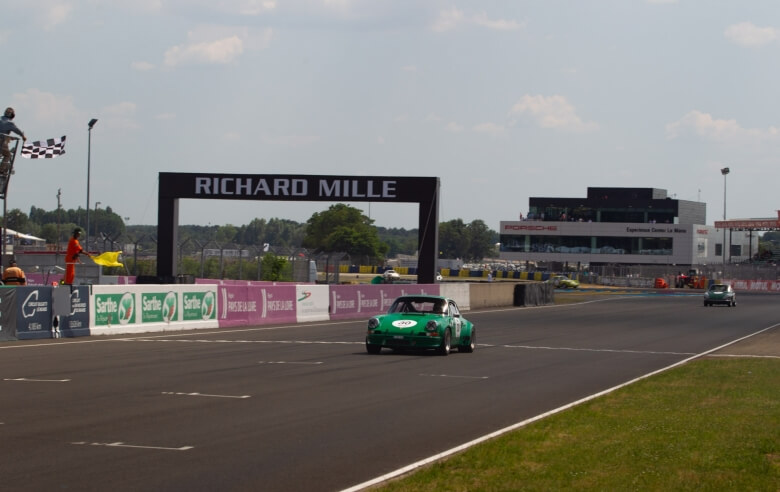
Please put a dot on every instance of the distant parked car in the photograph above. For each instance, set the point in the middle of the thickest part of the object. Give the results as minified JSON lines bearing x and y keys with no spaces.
{"x":391,"y":275}
{"x":720,"y":294}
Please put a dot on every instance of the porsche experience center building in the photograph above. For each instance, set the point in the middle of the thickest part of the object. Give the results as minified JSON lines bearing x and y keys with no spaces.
{"x":623,"y":226}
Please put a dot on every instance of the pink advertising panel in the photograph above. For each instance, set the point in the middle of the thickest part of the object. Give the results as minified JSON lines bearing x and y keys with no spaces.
{"x":254,"y":305}
{"x":356,"y":301}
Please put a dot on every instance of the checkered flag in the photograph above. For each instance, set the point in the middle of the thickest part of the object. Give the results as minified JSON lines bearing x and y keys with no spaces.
{"x":49,"y":149}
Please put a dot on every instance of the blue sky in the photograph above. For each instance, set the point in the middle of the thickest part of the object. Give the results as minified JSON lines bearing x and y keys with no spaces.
{"x":501,"y":99}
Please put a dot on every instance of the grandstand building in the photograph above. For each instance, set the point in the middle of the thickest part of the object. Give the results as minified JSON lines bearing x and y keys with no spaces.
{"x":632,"y":226}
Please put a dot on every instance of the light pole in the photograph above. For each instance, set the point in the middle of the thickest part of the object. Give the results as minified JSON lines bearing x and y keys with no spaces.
{"x":97,"y":235}
{"x":89,"y":155}
{"x":724,"y":172}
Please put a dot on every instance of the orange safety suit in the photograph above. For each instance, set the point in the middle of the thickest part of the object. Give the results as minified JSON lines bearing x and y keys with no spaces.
{"x":71,"y":258}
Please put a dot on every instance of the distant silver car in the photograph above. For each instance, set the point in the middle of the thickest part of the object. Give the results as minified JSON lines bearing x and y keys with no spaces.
{"x":391,"y":275}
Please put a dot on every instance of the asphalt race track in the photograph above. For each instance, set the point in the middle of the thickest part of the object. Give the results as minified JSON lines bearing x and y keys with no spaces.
{"x":305,"y":408}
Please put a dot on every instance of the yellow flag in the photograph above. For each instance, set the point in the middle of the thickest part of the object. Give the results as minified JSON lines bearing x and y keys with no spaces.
{"x":109,"y":259}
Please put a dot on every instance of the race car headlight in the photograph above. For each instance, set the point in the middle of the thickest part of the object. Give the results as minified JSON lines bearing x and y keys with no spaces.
{"x":431,"y":326}
{"x":373,"y":324}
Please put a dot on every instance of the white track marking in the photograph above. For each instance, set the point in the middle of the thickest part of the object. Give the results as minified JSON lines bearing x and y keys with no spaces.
{"x":620,"y":351}
{"x":289,"y":362}
{"x":38,"y":380}
{"x":738,"y":356}
{"x":174,"y":393}
{"x":292,"y":342}
{"x":453,"y":376}
{"x":123,"y":445}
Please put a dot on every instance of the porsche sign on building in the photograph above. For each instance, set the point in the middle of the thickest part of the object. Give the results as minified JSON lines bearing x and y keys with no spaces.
{"x":589,"y":230}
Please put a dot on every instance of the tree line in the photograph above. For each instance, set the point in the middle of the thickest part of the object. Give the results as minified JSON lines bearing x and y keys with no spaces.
{"x":340,"y":228}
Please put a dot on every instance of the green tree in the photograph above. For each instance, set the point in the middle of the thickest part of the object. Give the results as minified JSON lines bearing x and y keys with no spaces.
{"x":342,"y":228}
{"x":482,"y":240}
{"x":226,"y":234}
{"x":273,"y":267}
{"x":17,"y":220}
{"x":453,"y":239}
{"x":469,"y":242}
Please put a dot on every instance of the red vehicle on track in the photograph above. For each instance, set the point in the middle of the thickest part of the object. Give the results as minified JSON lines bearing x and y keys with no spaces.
{"x":690,"y":280}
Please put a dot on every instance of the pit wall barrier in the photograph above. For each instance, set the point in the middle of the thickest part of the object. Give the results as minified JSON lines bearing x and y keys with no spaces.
{"x":493,"y":294}
{"x":65,"y":311}
{"x":127,"y":309}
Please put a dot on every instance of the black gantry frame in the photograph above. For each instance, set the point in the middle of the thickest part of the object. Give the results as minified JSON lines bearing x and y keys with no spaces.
{"x":284,"y":187}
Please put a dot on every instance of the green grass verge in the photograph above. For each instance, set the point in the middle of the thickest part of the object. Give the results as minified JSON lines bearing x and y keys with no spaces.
{"x":710,"y":425}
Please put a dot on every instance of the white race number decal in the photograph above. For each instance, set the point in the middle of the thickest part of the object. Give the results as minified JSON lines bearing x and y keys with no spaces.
{"x":404,"y":323}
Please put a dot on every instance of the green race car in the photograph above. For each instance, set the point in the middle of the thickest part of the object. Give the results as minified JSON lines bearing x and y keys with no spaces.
{"x":720,"y":294}
{"x":421,"y":322}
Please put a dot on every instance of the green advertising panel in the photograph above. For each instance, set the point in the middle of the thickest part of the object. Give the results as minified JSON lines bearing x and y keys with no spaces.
{"x":199,"y":306}
{"x":113,"y":309}
{"x":158,"y":307}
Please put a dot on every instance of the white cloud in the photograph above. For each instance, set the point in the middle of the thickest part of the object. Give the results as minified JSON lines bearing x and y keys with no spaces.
{"x":748,"y":34}
{"x":44,"y":106}
{"x":703,"y":125}
{"x":490,"y":129}
{"x":447,"y":20}
{"x":291,"y":140}
{"x":221,"y":51}
{"x":142,"y":66}
{"x":552,"y":112}
{"x":453,"y":127}
{"x":120,"y":115}
{"x":482,"y":20}
{"x":454,"y":18}
{"x":56,"y":14}
{"x":248,"y":7}
{"x":165,"y":116}
{"x":124,"y":108}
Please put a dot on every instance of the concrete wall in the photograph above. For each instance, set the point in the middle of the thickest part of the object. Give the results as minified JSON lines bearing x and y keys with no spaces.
{"x":491,"y":294}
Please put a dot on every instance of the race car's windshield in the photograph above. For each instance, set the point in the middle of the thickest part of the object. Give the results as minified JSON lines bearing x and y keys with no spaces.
{"x":418,"y":305}
{"x":718,"y":288}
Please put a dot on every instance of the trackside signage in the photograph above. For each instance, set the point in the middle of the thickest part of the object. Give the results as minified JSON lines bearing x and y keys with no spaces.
{"x":296,"y":187}
{"x":252,"y":305}
{"x":159,"y":307}
{"x":354,"y":301}
{"x":199,"y":306}
{"x":114,"y":309}
{"x":75,"y":322}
